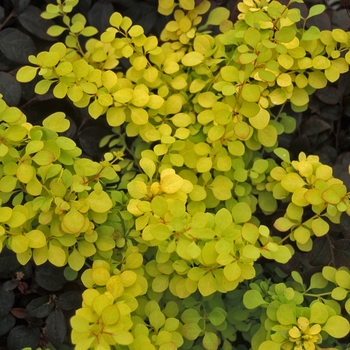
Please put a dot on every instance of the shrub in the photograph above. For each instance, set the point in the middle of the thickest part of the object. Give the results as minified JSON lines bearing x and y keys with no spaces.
{"x":168,"y":231}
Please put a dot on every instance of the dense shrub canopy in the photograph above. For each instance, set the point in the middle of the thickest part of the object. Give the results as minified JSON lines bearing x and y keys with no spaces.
{"x":174,"y":175}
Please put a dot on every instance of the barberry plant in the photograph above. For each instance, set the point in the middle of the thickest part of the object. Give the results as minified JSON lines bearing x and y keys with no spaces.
{"x":166,"y":229}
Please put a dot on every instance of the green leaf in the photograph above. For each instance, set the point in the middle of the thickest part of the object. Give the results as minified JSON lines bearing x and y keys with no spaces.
{"x":210,"y":341}
{"x":318,"y":281}
{"x":312,"y":33}
{"x":297,"y":277}
{"x":217,"y":316}
{"x":316,"y":10}
{"x":253,"y":299}
{"x":191,"y":330}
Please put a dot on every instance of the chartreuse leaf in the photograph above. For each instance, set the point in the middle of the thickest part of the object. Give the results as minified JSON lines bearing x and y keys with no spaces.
{"x":269,"y":345}
{"x":286,"y":314}
{"x":36,"y":239}
{"x":292,"y":181}
{"x":206,"y":284}
{"x":99,"y":202}
{"x":318,"y":313}
{"x":192,"y":59}
{"x":342,"y":278}
{"x":337,"y":326}
{"x":319,"y":226}
{"x":57,"y":122}
{"x":221,"y":187}
{"x":241,"y":213}
{"x":73,"y":221}
{"x":26,"y":74}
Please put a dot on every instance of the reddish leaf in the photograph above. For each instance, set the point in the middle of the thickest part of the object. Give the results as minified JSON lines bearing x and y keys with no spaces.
{"x":18,"y":312}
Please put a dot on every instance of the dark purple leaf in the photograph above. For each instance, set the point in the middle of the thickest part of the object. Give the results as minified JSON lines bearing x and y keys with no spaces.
{"x":10,"y":88}
{"x":2,"y":14}
{"x":31,"y":20}
{"x":50,"y":277}
{"x":8,"y":263}
{"x":6,"y":323}
{"x":320,"y":254}
{"x":89,"y":140}
{"x":16,"y":46}
{"x":10,"y":285}
{"x":329,"y":95}
{"x":342,"y":252}
{"x":22,"y":336}
{"x":20,"y":5}
{"x":345,"y":225}
{"x":7,"y":299}
{"x":56,"y":328}
{"x":144,"y":15}
{"x":69,"y":300}
{"x":322,"y":21}
{"x":99,"y":15}
{"x":40,"y":307}
{"x":314,"y":126}
{"x":341,"y":19}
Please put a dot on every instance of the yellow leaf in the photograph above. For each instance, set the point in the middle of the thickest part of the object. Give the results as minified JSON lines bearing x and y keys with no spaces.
{"x":192,"y":59}
{"x":18,"y":243}
{"x":206,"y":284}
{"x":56,"y":255}
{"x":292,"y":181}
{"x":36,"y":239}
{"x":99,"y":202}
{"x":73,"y":221}
{"x":171,"y":183}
